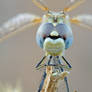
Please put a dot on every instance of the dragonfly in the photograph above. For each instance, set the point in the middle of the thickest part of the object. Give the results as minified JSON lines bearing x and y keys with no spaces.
{"x":54,"y":34}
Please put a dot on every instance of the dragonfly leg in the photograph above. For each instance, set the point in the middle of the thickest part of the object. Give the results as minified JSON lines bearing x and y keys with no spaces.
{"x":69,"y":65}
{"x":42,"y":82}
{"x":44,"y":76}
{"x":39,"y":64}
{"x":66,"y":82}
{"x":49,"y":60}
{"x":65,"y":79}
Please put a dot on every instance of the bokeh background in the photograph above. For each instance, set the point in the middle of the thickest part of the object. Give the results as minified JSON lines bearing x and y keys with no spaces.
{"x":20,"y":53}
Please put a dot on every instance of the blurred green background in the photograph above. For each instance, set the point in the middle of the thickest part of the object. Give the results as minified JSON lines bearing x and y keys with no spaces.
{"x":20,"y":53}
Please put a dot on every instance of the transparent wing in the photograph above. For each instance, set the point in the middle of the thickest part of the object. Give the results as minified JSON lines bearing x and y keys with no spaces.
{"x":73,"y":6}
{"x":9,"y":88}
{"x":17,"y":23}
{"x":84,"y":20}
{"x":72,"y":1}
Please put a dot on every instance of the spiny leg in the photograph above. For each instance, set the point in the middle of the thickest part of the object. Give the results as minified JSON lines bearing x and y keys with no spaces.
{"x":66,"y":62}
{"x":66,"y":82}
{"x":39,"y":63}
{"x":42,"y":82}
{"x":70,"y":8}
{"x":44,"y":76}
{"x":49,"y":60}
{"x":65,"y":79}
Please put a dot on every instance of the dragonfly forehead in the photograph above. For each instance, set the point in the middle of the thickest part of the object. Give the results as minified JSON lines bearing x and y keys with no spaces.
{"x":54,"y":17}
{"x":52,"y":13}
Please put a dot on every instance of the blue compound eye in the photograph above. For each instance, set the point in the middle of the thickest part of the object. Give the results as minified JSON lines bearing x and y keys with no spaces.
{"x":44,"y":31}
{"x":65,"y":33}
{"x":62,"y":29}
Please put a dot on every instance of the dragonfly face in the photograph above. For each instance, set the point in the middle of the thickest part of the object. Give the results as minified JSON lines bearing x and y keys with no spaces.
{"x":54,"y":34}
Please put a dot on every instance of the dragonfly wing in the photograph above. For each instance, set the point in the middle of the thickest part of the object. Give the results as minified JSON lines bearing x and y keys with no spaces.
{"x":73,"y":6}
{"x":17,"y":23}
{"x":84,"y":20}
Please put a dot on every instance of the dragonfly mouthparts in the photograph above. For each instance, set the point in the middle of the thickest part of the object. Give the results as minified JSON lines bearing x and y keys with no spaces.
{"x":54,"y":37}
